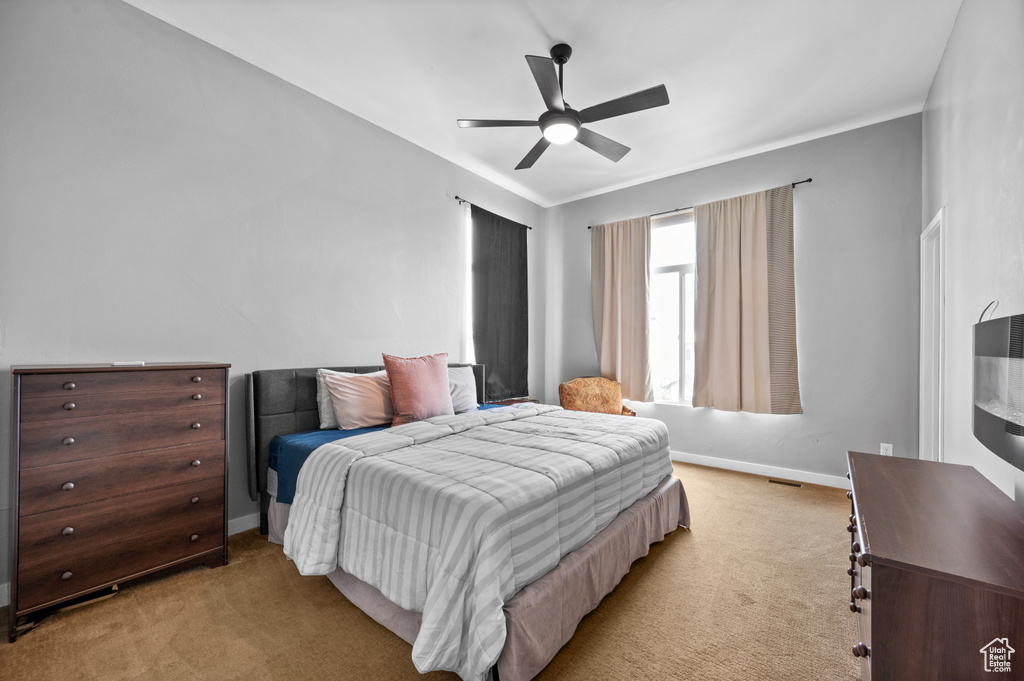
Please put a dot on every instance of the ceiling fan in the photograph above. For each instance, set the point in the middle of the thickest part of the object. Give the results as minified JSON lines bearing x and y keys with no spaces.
{"x":561,"y":124}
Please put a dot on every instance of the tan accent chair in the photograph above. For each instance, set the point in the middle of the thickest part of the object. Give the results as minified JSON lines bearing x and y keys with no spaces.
{"x":595,"y":394}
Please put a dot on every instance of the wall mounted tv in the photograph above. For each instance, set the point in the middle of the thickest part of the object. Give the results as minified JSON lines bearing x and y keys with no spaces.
{"x":999,"y":387}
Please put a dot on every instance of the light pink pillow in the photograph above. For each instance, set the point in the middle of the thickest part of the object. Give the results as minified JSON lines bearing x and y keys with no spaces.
{"x":419,"y":387}
{"x":359,"y":400}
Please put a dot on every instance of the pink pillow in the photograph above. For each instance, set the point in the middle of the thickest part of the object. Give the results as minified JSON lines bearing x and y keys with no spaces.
{"x":419,"y":387}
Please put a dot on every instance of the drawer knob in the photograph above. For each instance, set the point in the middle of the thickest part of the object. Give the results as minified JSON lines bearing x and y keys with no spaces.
{"x":863,"y":560}
{"x":196,"y":463}
{"x":849,"y":495}
{"x":851,"y":571}
{"x":65,"y":577}
{"x":68,"y":531}
{"x":195,"y":500}
{"x":69,"y":386}
{"x":862,"y":593}
{"x":194,"y":537}
{"x":856,"y":547}
{"x":69,"y":405}
{"x":851,"y":529}
{"x":68,"y":440}
{"x":197,"y":379}
{"x":853,"y":557}
{"x":861,"y":650}
{"x":853,"y":519}
{"x":197,"y":396}
{"x":68,"y":486}
{"x":196,"y":426}
{"x":854,"y":608}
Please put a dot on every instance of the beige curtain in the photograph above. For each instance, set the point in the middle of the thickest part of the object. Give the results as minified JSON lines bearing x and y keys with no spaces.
{"x":620,"y":287}
{"x":745,"y":321}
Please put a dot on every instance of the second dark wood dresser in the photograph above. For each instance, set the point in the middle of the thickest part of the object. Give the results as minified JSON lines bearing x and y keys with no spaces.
{"x":117,"y":473}
{"x":936,"y":572}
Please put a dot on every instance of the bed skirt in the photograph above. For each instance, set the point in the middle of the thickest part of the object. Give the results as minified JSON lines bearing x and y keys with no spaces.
{"x":543,"y":616}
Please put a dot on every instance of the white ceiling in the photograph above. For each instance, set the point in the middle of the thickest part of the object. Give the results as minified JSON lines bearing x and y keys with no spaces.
{"x":744,"y":76}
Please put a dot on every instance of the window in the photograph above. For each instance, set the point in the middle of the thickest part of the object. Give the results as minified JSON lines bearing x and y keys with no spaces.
{"x":673,"y":259}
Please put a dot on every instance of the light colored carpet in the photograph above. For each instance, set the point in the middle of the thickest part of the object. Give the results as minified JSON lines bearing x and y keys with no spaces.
{"x":757,"y":589}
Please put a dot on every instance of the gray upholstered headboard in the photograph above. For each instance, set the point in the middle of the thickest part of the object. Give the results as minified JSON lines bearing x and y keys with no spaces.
{"x":282,"y":401}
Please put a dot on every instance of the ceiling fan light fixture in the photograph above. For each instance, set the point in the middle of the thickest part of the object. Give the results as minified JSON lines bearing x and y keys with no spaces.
{"x":560,"y":129}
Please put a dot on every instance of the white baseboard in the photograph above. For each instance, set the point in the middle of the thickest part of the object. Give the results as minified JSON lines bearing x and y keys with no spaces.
{"x":761,"y":469}
{"x":246,"y":522}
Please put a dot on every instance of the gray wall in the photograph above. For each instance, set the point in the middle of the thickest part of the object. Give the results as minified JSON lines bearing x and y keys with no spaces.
{"x":163,"y":200}
{"x":856,"y":261}
{"x":974,"y":166}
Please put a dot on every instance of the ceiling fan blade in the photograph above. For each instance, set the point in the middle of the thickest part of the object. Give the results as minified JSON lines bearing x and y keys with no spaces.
{"x":547,"y":80}
{"x":610,"y":149}
{"x":638,"y":101}
{"x":534,"y":154}
{"x":476,"y":123}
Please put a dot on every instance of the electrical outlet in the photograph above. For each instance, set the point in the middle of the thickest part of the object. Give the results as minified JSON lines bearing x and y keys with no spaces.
{"x":886,"y":449}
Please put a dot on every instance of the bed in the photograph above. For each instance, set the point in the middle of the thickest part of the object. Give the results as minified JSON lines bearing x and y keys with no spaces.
{"x":499,"y":594}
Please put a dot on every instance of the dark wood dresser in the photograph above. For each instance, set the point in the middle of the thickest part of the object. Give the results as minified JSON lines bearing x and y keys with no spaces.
{"x":117,"y":473}
{"x":937,"y":572}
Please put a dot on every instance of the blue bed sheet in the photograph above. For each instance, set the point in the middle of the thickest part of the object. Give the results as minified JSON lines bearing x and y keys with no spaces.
{"x":289,"y":452}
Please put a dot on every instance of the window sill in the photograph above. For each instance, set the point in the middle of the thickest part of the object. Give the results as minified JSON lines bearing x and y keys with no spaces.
{"x":666,"y":403}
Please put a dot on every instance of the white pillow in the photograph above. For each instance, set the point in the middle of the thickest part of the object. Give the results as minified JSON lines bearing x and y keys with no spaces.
{"x":323,"y":401}
{"x":359,"y":400}
{"x":462,"y":386}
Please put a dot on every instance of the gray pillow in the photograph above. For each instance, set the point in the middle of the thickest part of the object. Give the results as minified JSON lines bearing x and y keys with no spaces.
{"x":462,"y":386}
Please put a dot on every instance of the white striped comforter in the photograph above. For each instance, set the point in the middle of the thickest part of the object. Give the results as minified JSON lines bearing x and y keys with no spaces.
{"x":451,"y":516}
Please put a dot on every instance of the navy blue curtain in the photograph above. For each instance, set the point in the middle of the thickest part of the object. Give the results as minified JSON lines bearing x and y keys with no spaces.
{"x":500,"y":312}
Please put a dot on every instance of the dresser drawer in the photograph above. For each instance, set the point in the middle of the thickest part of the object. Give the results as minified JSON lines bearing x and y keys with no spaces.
{"x":114,"y":539}
{"x":43,"y":488}
{"x":98,"y":404}
{"x":72,"y":385}
{"x":44,"y":443}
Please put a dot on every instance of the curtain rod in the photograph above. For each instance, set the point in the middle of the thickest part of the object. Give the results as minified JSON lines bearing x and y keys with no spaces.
{"x":681,"y":210}
{"x":462,"y":201}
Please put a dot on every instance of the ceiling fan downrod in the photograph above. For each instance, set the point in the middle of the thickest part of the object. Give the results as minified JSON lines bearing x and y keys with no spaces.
{"x":560,"y":54}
